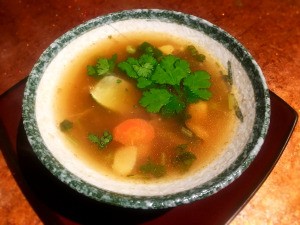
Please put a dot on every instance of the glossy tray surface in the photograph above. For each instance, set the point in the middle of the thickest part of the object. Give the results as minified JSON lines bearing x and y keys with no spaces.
{"x":56,"y":204}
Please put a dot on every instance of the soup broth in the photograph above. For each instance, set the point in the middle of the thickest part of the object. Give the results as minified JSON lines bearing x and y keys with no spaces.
{"x":174,"y":147}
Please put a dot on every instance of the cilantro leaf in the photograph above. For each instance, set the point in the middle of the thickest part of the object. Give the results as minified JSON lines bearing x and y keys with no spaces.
{"x":154,"y":99}
{"x":196,"y":85}
{"x":173,"y":107}
{"x":141,"y":67}
{"x":102,"y":67}
{"x":143,"y":82}
{"x":171,"y":70}
{"x":193,"y":96}
{"x":199,"y":79}
{"x":127,"y":67}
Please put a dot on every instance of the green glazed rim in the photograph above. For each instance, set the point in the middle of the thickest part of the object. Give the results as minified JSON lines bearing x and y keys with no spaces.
{"x":249,"y":152}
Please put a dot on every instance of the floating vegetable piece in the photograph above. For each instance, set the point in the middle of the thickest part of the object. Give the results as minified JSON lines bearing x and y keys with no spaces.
{"x":115,"y":94}
{"x":130,"y":49}
{"x":124,"y":160}
{"x":198,"y":113}
{"x":134,"y":132}
{"x":167,"y":49}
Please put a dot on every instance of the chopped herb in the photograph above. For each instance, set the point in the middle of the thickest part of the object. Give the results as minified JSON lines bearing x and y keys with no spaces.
{"x":118,"y":81}
{"x":194,"y":52}
{"x":102,"y":67}
{"x":233,"y":105}
{"x":154,"y":169}
{"x":102,"y":141}
{"x":228,"y":77}
{"x":183,"y":159}
{"x":187,"y":132}
{"x":65,"y":125}
{"x":147,"y":48}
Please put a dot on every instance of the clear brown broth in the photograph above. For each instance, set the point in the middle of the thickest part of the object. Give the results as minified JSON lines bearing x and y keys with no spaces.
{"x":75,"y":103}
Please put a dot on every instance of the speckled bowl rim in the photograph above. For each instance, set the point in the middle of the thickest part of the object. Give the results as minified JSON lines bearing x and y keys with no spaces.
{"x":261,"y":123}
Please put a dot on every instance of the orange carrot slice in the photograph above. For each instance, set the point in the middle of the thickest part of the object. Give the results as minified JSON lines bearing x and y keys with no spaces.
{"x":134,"y":132}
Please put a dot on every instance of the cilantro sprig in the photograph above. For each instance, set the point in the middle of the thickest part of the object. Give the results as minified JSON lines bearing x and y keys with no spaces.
{"x":102,"y":67}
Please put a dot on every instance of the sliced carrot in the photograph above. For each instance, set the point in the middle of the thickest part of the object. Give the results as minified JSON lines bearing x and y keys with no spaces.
{"x":134,"y":132}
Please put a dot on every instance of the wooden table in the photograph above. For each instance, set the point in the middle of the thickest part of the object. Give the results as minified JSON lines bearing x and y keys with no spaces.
{"x":269,"y":29}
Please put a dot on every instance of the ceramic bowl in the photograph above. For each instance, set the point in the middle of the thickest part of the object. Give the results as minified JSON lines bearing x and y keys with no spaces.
{"x":42,"y":131}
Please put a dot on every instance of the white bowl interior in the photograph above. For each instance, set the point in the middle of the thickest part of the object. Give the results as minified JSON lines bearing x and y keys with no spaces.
{"x":45,"y":117}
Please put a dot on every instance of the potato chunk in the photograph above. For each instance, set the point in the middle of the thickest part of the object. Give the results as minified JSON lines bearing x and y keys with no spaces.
{"x":124,"y":160}
{"x":166,"y":49}
{"x":198,"y":113}
{"x":115,"y":94}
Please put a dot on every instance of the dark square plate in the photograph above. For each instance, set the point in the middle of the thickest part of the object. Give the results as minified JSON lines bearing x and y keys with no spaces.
{"x":57,"y":204}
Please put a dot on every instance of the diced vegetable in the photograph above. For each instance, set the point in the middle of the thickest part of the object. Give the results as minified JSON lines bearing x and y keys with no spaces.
{"x":134,"y":132}
{"x":124,"y":160}
{"x":115,"y":94}
{"x":166,"y":49}
{"x":130,"y":49}
{"x":198,"y":113}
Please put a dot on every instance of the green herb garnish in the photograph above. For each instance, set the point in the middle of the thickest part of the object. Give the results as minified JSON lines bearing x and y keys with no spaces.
{"x":102,"y":141}
{"x":167,"y":83}
{"x":147,"y":48}
{"x":233,"y":105}
{"x":102,"y":67}
{"x":194,"y":52}
{"x":154,"y":169}
{"x":228,"y":77}
{"x":183,"y":159}
{"x":65,"y":125}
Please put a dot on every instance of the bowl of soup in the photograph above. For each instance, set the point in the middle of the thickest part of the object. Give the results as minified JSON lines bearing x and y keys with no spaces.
{"x":146,"y":109}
